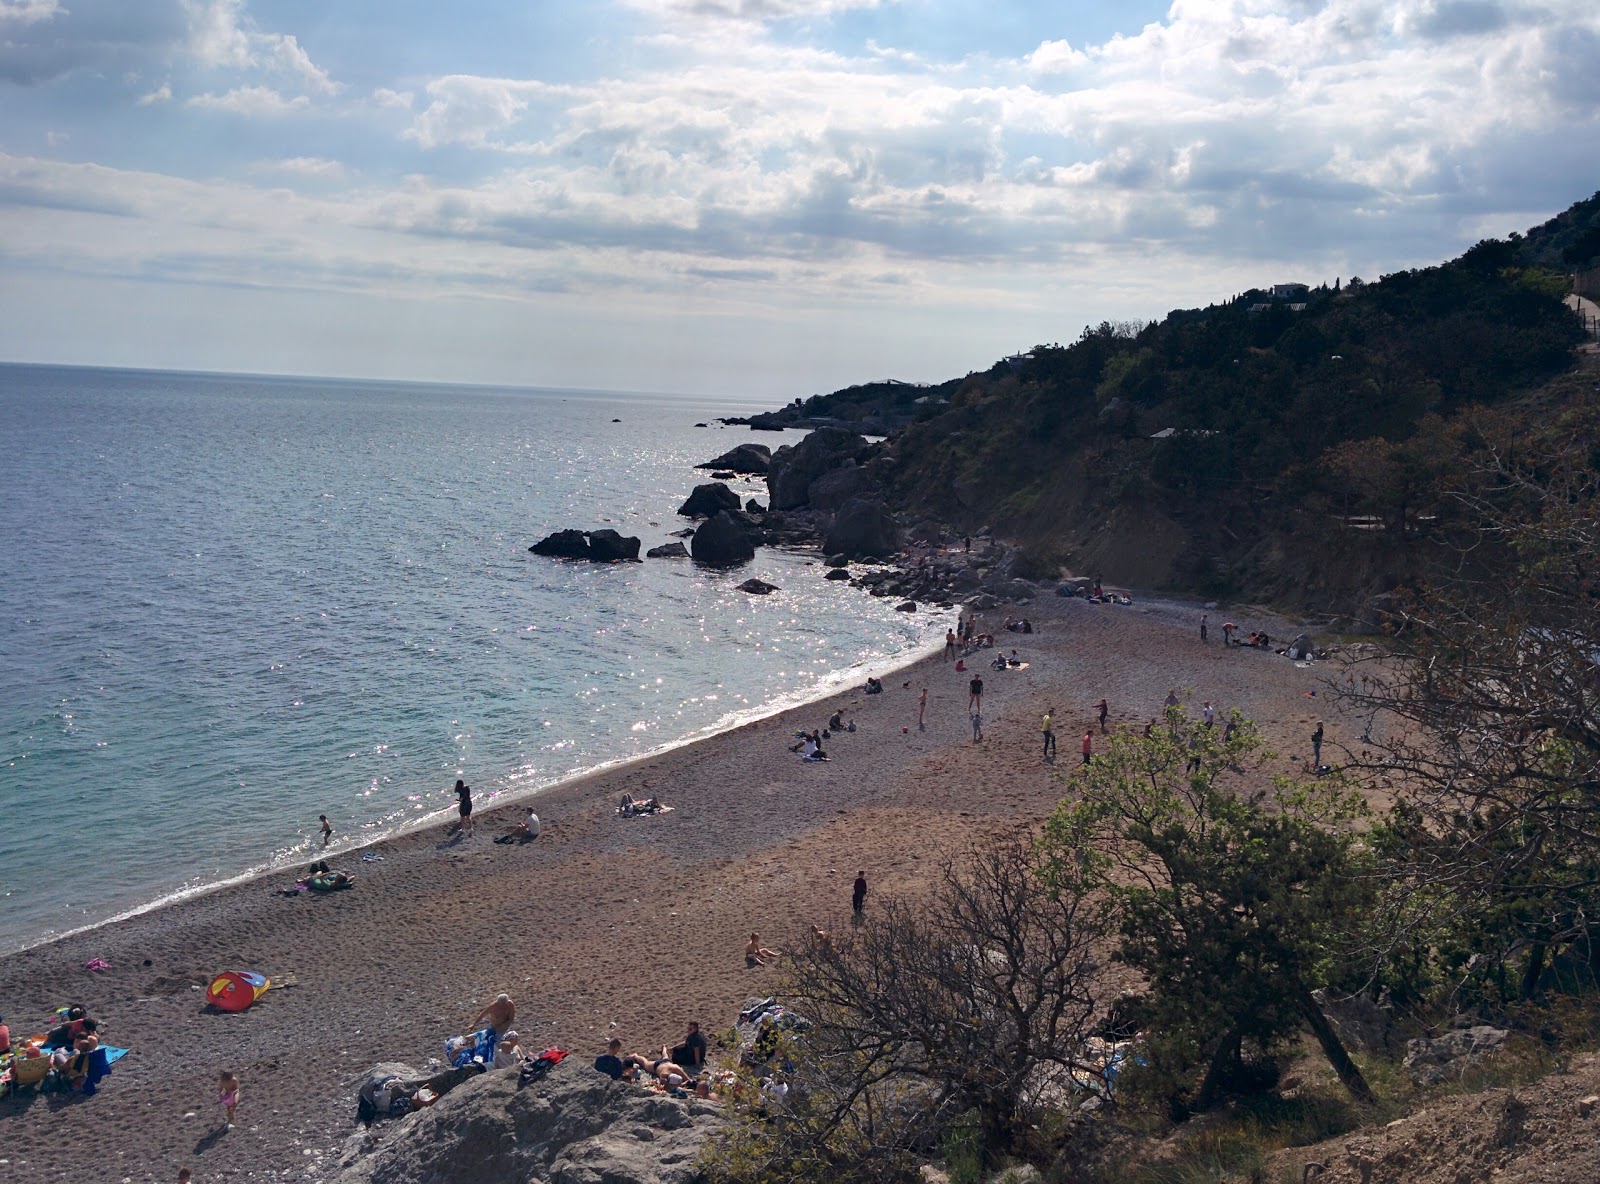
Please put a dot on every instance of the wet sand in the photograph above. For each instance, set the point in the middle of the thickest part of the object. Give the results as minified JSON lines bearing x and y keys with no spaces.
{"x":638,"y":922}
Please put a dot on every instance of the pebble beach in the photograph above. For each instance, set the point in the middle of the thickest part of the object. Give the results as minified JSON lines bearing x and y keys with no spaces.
{"x":605,"y":925}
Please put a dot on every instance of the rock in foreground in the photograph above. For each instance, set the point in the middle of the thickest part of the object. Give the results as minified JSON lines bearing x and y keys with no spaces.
{"x":597,"y":546}
{"x":575,"y":1125}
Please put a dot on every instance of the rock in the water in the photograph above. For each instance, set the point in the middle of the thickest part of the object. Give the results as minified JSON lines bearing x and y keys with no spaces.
{"x":598,"y":546}
{"x":909,"y":606}
{"x":837,"y":573}
{"x":707,"y":500}
{"x":754,"y":507}
{"x":563,"y":544}
{"x":673,"y":550}
{"x":746,"y":458}
{"x":793,"y":469}
{"x":721,"y":541}
{"x":1451,"y":1055}
{"x":757,"y":587}
{"x":838,"y":561}
{"x":575,"y":1124}
{"x":863,"y":529}
{"x":607,"y":546}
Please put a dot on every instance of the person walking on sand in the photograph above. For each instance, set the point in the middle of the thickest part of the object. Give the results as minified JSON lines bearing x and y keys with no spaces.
{"x":1103,"y":711}
{"x":1049,"y":734}
{"x":1316,"y":746}
{"x":858,"y":894}
{"x":228,"y":1096}
{"x":977,"y":727}
{"x":1088,"y":748}
{"x":464,"y":805}
{"x":922,"y":709}
{"x":1202,"y":626}
{"x":975,"y":693}
{"x":327,"y":828}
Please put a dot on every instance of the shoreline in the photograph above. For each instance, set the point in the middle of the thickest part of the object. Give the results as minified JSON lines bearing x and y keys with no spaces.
{"x":499,"y":802}
{"x":605,"y":925}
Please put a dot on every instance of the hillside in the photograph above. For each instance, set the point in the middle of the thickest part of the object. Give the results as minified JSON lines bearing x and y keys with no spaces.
{"x":1288,"y":445}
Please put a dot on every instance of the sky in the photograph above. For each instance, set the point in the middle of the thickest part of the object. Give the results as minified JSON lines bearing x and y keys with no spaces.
{"x":770,"y":198}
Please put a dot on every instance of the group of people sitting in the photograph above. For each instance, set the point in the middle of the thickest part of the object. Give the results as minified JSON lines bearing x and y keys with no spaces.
{"x":320,"y":877}
{"x":808,"y":745}
{"x":66,"y":1050}
{"x":630,"y":805}
{"x":679,"y":1069}
{"x":1001,"y":662}
{"x":1018,"y":625}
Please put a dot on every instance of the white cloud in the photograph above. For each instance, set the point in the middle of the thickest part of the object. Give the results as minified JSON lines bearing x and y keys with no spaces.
{"x":251,"y":100}
{"x":222,"y":37}
{"x":399,"y":100}
{"x":161,"y":94}
{"x":28,"y":12}
{"x":1055,"y":57}
{"x":305,"y":166}
{"x":467,"y":110}
{"x":749,"y":10}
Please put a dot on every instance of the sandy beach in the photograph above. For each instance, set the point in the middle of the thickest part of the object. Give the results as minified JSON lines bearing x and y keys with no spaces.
{"x":638,"y":922}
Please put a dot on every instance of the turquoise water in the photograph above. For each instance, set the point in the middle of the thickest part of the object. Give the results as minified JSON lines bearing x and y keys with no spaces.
{"x":231,"y":604}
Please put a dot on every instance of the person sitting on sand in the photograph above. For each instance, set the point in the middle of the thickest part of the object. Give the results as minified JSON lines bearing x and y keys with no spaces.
{"x":610,"y":1061}
{"x":821,"y":937}
{"x":526,"y":831}
{"x":691,"y":1054}
{"x":756,"y":954}
{"x":500,"y":1013}
{"x":874,"y":686}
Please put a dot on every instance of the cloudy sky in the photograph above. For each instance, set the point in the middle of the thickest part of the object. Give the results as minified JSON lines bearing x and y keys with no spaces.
{"x":767,"y":197}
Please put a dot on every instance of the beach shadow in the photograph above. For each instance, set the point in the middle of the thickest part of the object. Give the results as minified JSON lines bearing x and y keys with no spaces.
{"x":455,"y":840}
{"x":209,"y":1140}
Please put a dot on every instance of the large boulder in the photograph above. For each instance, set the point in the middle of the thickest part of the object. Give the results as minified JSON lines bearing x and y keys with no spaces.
{"x":1448,"y":1057}
{"x":575,"y":1125}
{"x":672,"y":550}
{"x":863,"y":529}
{"x":837,"y":486}
{"x":794,"y":468}
{"x":707,"y":500}
{"x":746,"y":458}
{"x":598,"y":546}
{"x":563,"y":544}
{"x":607,"y":546}
{"x":722,"y":541}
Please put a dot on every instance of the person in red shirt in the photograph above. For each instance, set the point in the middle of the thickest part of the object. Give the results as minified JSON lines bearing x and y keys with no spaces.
{"x":1088,"y":747}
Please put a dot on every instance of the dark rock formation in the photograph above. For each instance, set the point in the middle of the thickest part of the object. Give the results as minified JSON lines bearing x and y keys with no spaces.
{"x":837,"y":486}
{"x":793,"y":469}
{"x":754,"y":507}
{"x":672,"y":550}
{"x":909,"y":606}
{"x":707,"y":500}
{"x":758,"y":587}
{"x":598,"y":546}
{"x":837,"y":573}
{"x":607,"y":546}
{"x":746,"y":458}
{"x":838,"y":561}
{"x":863,"y":529}
{"x":722,"y":541}
{"x":575,"y":1125}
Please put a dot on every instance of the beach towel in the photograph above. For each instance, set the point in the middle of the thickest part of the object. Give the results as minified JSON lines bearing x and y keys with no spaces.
{"x":480,"y":1048}
{"x":100,"y":1062}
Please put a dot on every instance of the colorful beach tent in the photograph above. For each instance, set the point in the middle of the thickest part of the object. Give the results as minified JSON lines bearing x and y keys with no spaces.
{"x":235,"y":990}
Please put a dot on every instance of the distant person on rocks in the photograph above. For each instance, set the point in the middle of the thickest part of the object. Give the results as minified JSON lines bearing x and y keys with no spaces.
{"x":1088,"y":748}
{"x":327,"y":828}
{"x":975,"y":693}
{"x":1049,"y":734}
{"x":610,"y":1061}
{"x":966,"y":542}
{"x":691,"y":1054}
{"x":1202,"y":626}
{"x":858,"y":894}
{"x":500,"y":1013}
{"x":1316,"y":745}
{"x":464,"y":805}
{"x":1102,"y":710}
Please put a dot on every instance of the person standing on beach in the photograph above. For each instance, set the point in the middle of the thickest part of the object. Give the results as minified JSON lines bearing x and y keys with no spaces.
{"x":1088,"y":748}
{"x":977,"y":727}
{"x":1103,"y":711}
{"x":858,"y":895}
{"x":1316,"y":746}
{"x":949,"y":643}
{"x":1202,"y":626}
{"x":922,"y":708}
{"x":1049,"y":734}
{"x":500,"y":1013}
{"x":975,"y":693}
{"x":464,"y":805}
{"x":228,"y":1096}
{"x":327,"y":828}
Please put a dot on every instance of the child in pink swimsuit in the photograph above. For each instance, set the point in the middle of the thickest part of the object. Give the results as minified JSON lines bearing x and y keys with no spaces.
{"x":228,"y":1094}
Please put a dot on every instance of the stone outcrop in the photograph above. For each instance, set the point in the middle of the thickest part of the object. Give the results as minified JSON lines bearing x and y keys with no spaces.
{"x":750,"y":459}
{"x":597,"y":546}
{"x":722,"y":541}
{"x":707,"y":500}
{"x":575,"y":1125}
{"x":758,"y":587}
{"x":838,"y":486}
{"x":1449,"y":1056}
{"x":672,"y":550}
{"x":863,"y":529}
{"x":793,"y":469}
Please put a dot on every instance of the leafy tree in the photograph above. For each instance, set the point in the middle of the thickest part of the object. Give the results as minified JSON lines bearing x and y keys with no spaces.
{"x":1233,"y":902}
{"x":976,"y":1002}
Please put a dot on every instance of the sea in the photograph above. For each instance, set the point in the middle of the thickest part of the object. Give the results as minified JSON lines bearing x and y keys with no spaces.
{"x":230,"y":604}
